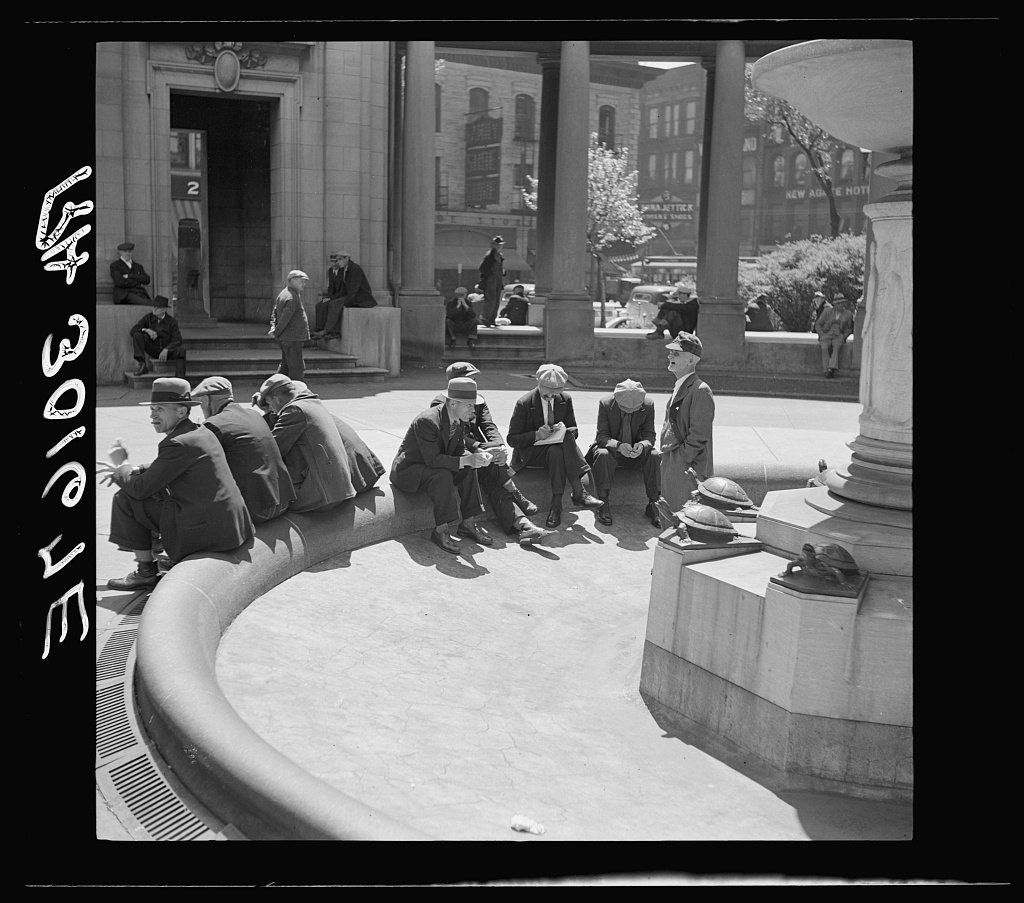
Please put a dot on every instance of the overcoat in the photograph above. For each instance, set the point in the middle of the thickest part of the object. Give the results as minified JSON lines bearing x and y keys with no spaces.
{"x":290,"y":321}
{"x":430,"y":443}
{"x":686,"y":440}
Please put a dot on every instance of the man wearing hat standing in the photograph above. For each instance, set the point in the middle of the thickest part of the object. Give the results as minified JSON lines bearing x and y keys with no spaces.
{"x":492,"y":280}
{"x":187,"y":494}
{"x":496,"y":478}
{"x":538,"y":415}
{"x":460,"y":319}
{"x":354,"y":291}
{"x":249,"y":446}
{"x":158,"y":335}
{"x":438,"y":455}
{"x":626,"y":436}
{"x":686,"y":434}
{"x":129,"y":277}
{"x":289,"y":325}
{"x":834,"y":326}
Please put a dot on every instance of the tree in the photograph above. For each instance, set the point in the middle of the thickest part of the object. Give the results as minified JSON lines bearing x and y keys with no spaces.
{"x":818,"y":144}
{"x":613,"y":213}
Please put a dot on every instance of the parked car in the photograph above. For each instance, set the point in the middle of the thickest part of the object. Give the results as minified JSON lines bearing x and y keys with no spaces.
{"x":640,"y":309}
{"x":529,"y":287}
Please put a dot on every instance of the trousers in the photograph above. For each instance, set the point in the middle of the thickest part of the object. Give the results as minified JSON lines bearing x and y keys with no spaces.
{"x":606,"y":462}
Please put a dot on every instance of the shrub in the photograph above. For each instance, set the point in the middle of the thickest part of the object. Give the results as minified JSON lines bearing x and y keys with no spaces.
{"x":793,"y":272}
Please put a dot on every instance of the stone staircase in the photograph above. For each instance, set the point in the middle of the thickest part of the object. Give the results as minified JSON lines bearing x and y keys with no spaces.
{"x":501,"y":348}
{"x":245,"y":354}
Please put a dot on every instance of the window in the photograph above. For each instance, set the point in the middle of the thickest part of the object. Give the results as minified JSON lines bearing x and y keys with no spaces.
{"x":664,"y":167}
{"x":800,"y":169}
{"x":675,"y":119}
{"x":846,"y":165}
{"x":481,"y":191}
{"x":483,"y":161}
{"x":779,"y":169}
{"x":749,"y":172}
{"x":479,"y":100}
{"x":606,"y":126}
{"x":688,"y":167}
{"x":652,"y":122}
{"x":667,"y":120}
{"x":675,"y":163}
{"x":691,"y":117}
{"x":519,"y":173}
{"x":652,"y":167}
{"x":525,"y":115}
{"x":437,"y":107}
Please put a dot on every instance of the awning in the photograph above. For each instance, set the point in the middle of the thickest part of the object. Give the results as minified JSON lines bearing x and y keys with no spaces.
{"x":448,"y":258}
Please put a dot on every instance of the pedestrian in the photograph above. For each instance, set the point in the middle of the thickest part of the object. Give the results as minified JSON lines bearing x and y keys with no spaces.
{"x":834,"y":326}
{"x":439,"y":457}
{"x":253,"y":455}
{"x":757,"y":319}
{"x":626,"y":436}
{"x":129,"y":278}
{"x":289,"y":325}
{"x":355,"y":292}
{"x":686,"y":436}
{"x":517,"y":307}
{"x":492,"y":280}
{"x":460,"y":319}
{"x":496,"y":479}
{"x":186,"y":499}
{"x":543,"y":433}
{"x":158,"y":335}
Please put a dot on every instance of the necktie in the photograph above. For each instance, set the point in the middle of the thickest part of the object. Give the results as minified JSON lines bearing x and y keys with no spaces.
{"x":626,"y":430}
{"x":549,"y":417}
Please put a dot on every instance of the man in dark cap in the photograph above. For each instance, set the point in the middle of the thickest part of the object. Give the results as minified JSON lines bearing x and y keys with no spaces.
{"x":253,"y":455}
{"x":496,"y":478}
{"x":543,"y":432}
{"x":492,"y":281}
{"x":626,"y":436}
{"x":129,"y":277}
{"x":354,"y":291}
{"x":186,"y":496}
{"x":158,"y":335}
{"x":686,"y":434}
{"x":438,"y":455}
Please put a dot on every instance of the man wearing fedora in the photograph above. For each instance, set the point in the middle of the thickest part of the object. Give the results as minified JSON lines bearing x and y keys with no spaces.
{"x":626,"y":436}
{"x":492,"y":280}
{"x":187,"y":495}
{"x":538,"y":415}
{"x":439,"y":455}
{"x":129,"y":278}
{"x":158,"y":335}
{"x":685,"y":441}
{"x":353,"y":290}
{"x":496,"y":478}
{"x":325,"y":469}
{"x":253,"y":455}
{"x":834,"y":326}
{"x":289,"y":325}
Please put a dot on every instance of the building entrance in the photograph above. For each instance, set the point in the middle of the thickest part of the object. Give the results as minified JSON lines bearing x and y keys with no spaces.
{"x":234,"y":228}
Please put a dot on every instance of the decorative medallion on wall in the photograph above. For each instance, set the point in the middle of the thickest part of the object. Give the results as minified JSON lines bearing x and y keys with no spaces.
{"x":228,"y":61}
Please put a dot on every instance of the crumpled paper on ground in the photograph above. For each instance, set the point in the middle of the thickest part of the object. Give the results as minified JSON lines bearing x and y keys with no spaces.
{"x":522,"y":823}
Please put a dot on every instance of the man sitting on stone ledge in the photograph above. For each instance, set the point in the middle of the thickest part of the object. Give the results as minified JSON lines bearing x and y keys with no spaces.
{"x":129,"y":278}
{"x":355,"y":292}
{"x":186,"y":496}
{"x":158,"y":335}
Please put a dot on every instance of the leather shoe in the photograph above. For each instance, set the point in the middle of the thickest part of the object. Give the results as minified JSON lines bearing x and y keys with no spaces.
{"x":654,"y":335}
{"x":441,"y":537}
{"x":143,"y":369}
{"x":554,"y":518}
{"x":604,"y":515}
{"x":531,"y":533}
{"x":588,"y":501}
{"x":476,"y":533}
{"x":525,"y":505}
{"x":135,"y":580}
{"x":651,"y":513}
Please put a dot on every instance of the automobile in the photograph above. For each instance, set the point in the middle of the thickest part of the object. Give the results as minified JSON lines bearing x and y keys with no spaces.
{"x":640,"y":309}
{"x":530,"y":288}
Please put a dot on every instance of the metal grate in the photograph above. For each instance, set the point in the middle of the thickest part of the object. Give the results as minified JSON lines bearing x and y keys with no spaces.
{"x":114,"y":657}
{"x":114,"y":730}
{"x":152,"y":803}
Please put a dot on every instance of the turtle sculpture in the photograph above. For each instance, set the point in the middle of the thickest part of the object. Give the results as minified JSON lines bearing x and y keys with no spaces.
{"x":705,"y":524}
{"x":827,"y":562}
{"x":719,"y":492}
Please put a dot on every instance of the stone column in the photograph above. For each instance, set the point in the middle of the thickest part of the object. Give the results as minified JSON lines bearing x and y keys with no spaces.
{"x":422,"y":307}
{"x":569,"y":318}
{"x":705,"y":171}
{"x":546,"y":177}
{"x":721,"y":321}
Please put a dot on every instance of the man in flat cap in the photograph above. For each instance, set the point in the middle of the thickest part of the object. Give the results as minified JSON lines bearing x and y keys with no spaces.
{"x":543,"y":432}
{"x":158,"y":335}
{"x":626,"y":436}
{"x":289,"y":325}
{"x":460,"y":318}
{"x":129,"y":278}
{"x":353,"y":290}
{"x":492,"y":280}
{"x":186,"y":496}
{"x":439,"y":456}
{"x":325,"y":469}
{"x":253,"y":455}
{"x":686,"y":434}
{"x":496,"y":478}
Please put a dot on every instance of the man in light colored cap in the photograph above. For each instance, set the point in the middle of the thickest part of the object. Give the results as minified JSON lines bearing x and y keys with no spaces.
{"x":439,"y":455}
{"x":626,"y":436}
{"x":496,"y":478}
{"x":289,"y":325}
{"x":492,"y":280}
{"x":353,"y":291}
{"x":543,"y":432}
{"x":187,"y":496}
{"x":689,"y":418}
{"x":129,"y":277}
{"x":249,"y":446}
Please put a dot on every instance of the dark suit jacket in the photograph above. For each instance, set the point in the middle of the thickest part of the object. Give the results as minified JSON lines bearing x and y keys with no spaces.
{"x":482,"y":428}
{"x":168,"y":333}
{"x":254,"y":459}
{"x":528,"y":417}
{"x":356,"y":287}
{"x":492,"y":275}
{"x":127,"y":279}
{"x":335,"y":283}
{"x":517,"y":309}
{"x":427,"y":444}
{"x":204,"y":509}
{"x":609,"y":422}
